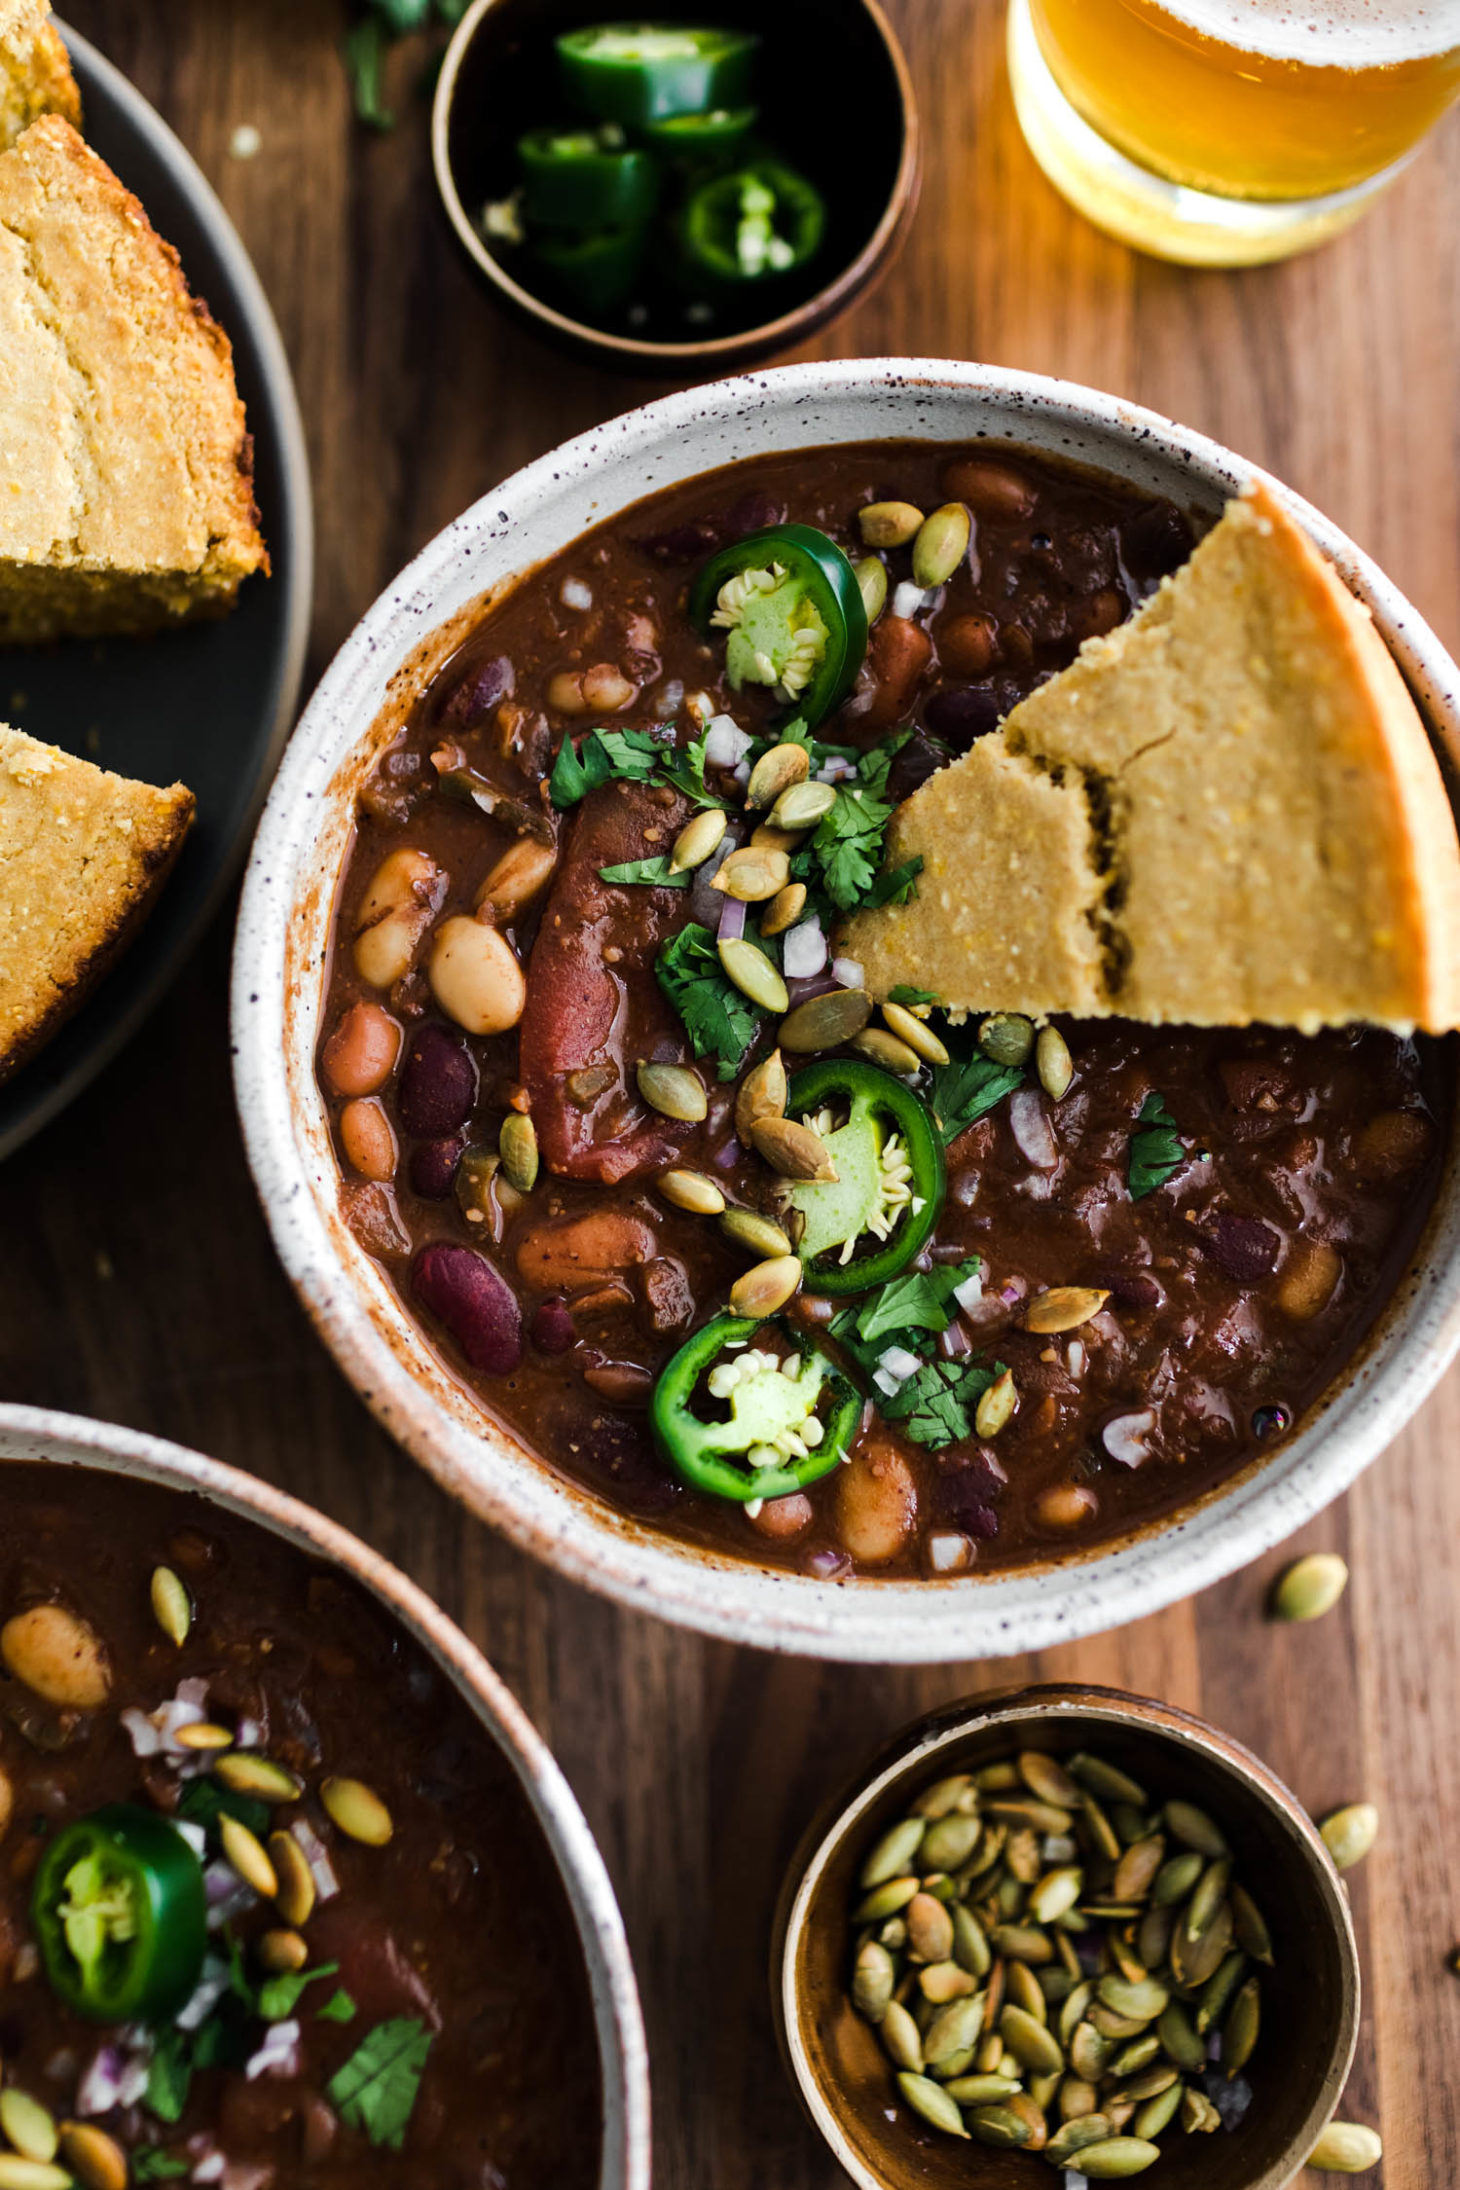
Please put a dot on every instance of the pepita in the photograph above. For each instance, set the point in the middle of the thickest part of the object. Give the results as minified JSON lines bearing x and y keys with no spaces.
{"x":1023,"y":1990}
{"x":245,"y":1852}
{"x":776,"y":771}
{"x":753,"y":874}
{"x":1309,"y":1587}
{"x":698,"y":839}
{"x":204,"y":1735}
{"x":999,"y":2126}
{"x":675,"y":1091}
{"x":888,"y":524}
{"x":901,"y":2038}
{"x":1179,"y":2039}
{"x":691,"y":1190}
{"x":295,"y":1892}
{"x":1056,"y":1892}
{"x":1023,"y":1942}
{"x":932,"y":2102}
{"x":762,"y":1094}
{"x":282,"y":1951}
{"x":825,"y":1022}
{"x":1141,"y":2002}
{"x":873,"y":1979}
{"x":1006,"y":1037}
{"x":1239,"y":2032}
{"x":970,"y":1947}
{"x":1211,"y":1892}
{"x":1053,"y":1063}
{"x":18,"y":2173}
{"x":1079,"y":2132}
{"x":941,"y":1982}
{"x":784,"y":909}
{"x":517,"y":1147}
{"x":941,"y":544}
{"x":916,"y":1032}
{"x":760,"y":1291}
{"x":947,"y":1794}
{"x":1194,"y":1829}
{"x":980,"y":2090}
{"x":1047,"y":1778}
{"x":1159,"y":2112}
{"x":871,"y":576}
{"x":1106,"y":1780}
{"x":1193,"y":1961}
{"x":757,"y":1234}
{"x":1175,"y":1879}
{"x":1118,"y":2158}
{"x":1348,"y":1834}
{"x":30,"y":2126}
{"x":751,"y":971}
{"x":247,"y":1773}
{"x":172,"y":1608}
{"x":929,"y":1929}
{"x":1347,"y":2148}
{"x":357,"y":1810}
{"x":885,"y":1901}
{"x":1030,"y":2042}
{"x":95,"y":2159}
{"x":1250,"y":1926}
{"x":953,"y":2029}
{"x":1137,"y":1869}
{"x":1063,"y":1308}
{"x":950,"y":1841}
{"x":884,"y":1049}
{"x":795,"y":1151}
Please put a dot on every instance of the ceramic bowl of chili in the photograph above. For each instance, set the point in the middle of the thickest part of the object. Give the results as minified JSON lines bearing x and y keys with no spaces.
{"x":147,"y":1719}
{"x":1310,"y":1986}
{"x":565,"y":1513}
{"x":676,"y":207}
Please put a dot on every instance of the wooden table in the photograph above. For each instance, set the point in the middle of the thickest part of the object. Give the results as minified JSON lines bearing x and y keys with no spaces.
{"x":139,"y":1284}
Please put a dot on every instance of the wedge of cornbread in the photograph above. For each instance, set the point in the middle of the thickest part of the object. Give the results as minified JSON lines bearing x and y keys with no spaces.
{"x":83,"y":855}
{"x":1226,"y":811}
{"x":35,"y":73}
{"x":126,"y":477}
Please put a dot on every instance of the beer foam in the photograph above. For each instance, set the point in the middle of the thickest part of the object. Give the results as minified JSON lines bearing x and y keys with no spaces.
{"x":1349,"y":34}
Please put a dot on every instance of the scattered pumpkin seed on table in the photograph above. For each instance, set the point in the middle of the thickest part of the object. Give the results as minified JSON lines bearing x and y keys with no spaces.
{"x":1059,"y":1961}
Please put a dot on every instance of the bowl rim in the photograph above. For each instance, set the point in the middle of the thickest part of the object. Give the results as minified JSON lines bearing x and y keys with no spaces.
{"x":634,"y":351}
{"x":45,"y":1435}
{"x":915,"y":1748}
{"x":888,"y":1622}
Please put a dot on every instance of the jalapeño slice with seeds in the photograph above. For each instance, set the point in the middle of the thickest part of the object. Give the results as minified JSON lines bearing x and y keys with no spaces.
{"x":891,"y":1175}
{"x":745,"y":1424}
{"x":637,"y":73}
{"x":790,"y":601}
{"x":756,"y":224}
{"x":120,"y":1915}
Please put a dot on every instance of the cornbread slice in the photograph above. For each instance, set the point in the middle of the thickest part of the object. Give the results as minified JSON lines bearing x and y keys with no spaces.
{"x":1252,"y":824}
{"x":126,"y":488}
{"x":35,"y":72}
{"x":83,"y":855}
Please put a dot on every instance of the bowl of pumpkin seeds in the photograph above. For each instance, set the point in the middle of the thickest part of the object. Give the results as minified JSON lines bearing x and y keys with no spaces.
{"x":1066,"y":1932}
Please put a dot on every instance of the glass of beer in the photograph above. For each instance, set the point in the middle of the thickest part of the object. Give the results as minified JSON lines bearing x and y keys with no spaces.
{"x":1226,"y":132}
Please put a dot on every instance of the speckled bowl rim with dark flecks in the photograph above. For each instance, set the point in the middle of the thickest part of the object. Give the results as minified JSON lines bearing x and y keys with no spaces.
{"x":71,"y":1441}
{"x":281,"y":956}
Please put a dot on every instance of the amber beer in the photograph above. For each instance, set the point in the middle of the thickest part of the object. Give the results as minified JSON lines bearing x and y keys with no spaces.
{"x":1256,"y":100}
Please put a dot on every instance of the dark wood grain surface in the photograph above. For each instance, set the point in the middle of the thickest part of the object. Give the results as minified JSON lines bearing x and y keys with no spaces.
{"x":138,"y":1282}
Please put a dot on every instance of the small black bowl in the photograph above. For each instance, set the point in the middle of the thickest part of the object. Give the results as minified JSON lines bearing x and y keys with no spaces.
{"x":836,"y":102}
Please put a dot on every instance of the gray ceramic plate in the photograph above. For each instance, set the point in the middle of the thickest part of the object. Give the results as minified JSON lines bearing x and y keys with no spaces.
{"x":211,"y":705}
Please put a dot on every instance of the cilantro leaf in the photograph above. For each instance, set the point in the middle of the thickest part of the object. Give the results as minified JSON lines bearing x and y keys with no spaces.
{"x":935,"y":1407}
{"x":1157,"y":1151}
{"x":365,"y":44}
{"x":204,"y":1801}
{"x":720,"y":1021}
{"x":169,"y":2075}
{"x":875,"y":765}
{"x":968,"y":1087}
{"x":632,"y":755}
{"x":653,"y":873}
{"x":338,"y":2008}
{"x":915,"y":1302}
{"x":150,"y":2163}
{"x":897,"y":885}
{"x":376,"y":2089}
{"x":685,"y":769}
{"x":847,"y":845}
{"x":279,"y":1996}
{"x":906,"y":996}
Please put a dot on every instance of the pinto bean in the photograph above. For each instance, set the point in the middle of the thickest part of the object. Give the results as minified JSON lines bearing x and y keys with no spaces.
{"x":876,"y":1503}
{"x":360,"y":1055}
{"x":564,"y":1257}
{"x":369,"y":1143}
{"x":621,"y":1383}
{"x":524,"y":869}
{"x":59,"y":1656}
{"x":1391,"y":1144}
{"x":967,"y":644}
{"x":1309,"y":1278}
{"x":405,"y":894}
{"x":782,"y":1518}
{"x":995,"y":491}
{"x":475,"y":976}
{"x":1067,"y":1505}
{"x":899,"y":651}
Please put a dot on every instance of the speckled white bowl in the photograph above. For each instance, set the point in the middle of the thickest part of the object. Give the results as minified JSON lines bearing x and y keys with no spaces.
{"x":283,"y":936}
{"x":70,"y":1441}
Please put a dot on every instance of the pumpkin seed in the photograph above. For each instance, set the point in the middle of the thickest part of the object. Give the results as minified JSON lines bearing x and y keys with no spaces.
{"x":282,"y":1951}
{"x":1137,"y":1869}
{"x":95,"y":2159}
{"x":357,"y":1810}
{"x":1350,"y":1833}
{"x":1030,"y":2042}
{"x":917,"y":1034}
{"x":1153,"y":1937}
{"x":1024,"y":1861}
{"x":762,"y":1094}
{"x":245,"y":1852}
{"x":18,"y":2173}
{"x":691,"y":1190}
{"x":1250,"y":1926}
{"x":698,"y":839}
{"x":794,"y":1150}
{"x":1211,"y":1892}
{"x":476,"y":1173}
{"x":172,"y":1607}
{"x":29,"y":2125}
{"x":1239,"y":2032}
{"x":871,"y":576}
{"x":826,"y":1021}
{"x":1053,"y":1063}
{"x":761,"y":1290}
{"x":295,"y":1891}
{"x":1141,"y":2002}
{"x":954,"y":1792}
{"x":999,"y":2126}
{"x":764,"y":838}
{"x":1117,"y":2158}
{"x":884,"y":1049}
{"x":1197,"y":2111}
{"x":803,"y":806}
{"x":1193,"y":1961}
{"x":888,"y":524}
{"x":954,"y":2029}
{"x":776,"y":771}
{"x":1103,"y":1833}
{"x":1105,"y":1779}
{"x":1347,"y":2148}
{"x":932,"y":2102}
{"x":517,"y":1147}
{"x":1025,"y":1810}
{"x":1309,"y":1587}
{"x":885,"y":1900}
{"x":589,"y":1082}
{"x":901,"y":2039}
{"x":1072,"y":2010}
{"x":1194,"y":1829}
{"x":247,"y":1773}
{"x":1047,"y":1778}
{"x":1090,"y":2052}
{"x":1023,"y":1989}
{"x":929,"y":1929}
{"x":1024,"y":1942}
{"x":1056,"y":1892}
{"x":1063,"y":1308}
{"x":1132,"y":2058}
{"x":980,"y":2090}
{"x":784,"y":909}
{"x":970,"y":1947}
{"x":1179,"y":2038}
{"x":944,"y":1981}
{"x":751,"y":971}
{"x":203,"y":1734}
{"x":873,"y":1978}
{"x":673,"y":1090}
{"x":757,"y":1234}
{"x":753,"y":874}
{"x":1006,"y":1037}
{"x":950,"y":1841}
{"x":1078,"y":2133}
{"x":940,"y":545}
{"x":1159,"y":2112}
{"x":1175,"y":1879}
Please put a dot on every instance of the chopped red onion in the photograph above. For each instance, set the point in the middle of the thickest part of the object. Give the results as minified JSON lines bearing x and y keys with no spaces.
{"x":316,"y":1855}
{"x":899,"y":1361}
{"x":154,"y":1733}
{"x":836,"y":769}
{"x":970,"y":1292}
{"x":1074,"y":2180}
{"x":211,"y":2164}
{"x":803,"y":950}
{"x":1030,"y":1128}
{"x":955,"y":1342}
{"x":726,"y":744}
{"x":827,"y":1565}
{"x":732,"y":920}
{"x":248,"y":1734}
{"x":669,"y":698}
{"x":100,"y":2088}
{"x":1124,"y":1438}
{"x":1012,"y":1292}
{"x":907,"y":599}
{"x":193,"y":1834}
{"x":949,"y":1552}
{"x":227,"y":1894}
{"x":279,"y":2053}
{"x":573,"y":593}
{"x":848,"y":971}
{"x":204,"y":1996}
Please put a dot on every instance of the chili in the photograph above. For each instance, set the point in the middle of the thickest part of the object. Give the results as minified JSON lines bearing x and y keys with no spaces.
{"x":584,"y":179}
{"x":775,"y":1441}
{"x":120,"y":1915}
{"x":753,"y":225}
{"x":790,"y":600}
{"x":891,"y":1176}
{"x":636,"y":73}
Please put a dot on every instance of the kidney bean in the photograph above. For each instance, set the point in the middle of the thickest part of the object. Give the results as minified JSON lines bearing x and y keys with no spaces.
{"x":621,"y":1383}
{"x":686,"y":543}
{"x":919,"y":759}
{"x":1245,"y":1247}
{"x":782,"y":1518}
{"x":360,"y":1055}
{"x":995,"y":491}
{"x":552,"y":1329}
{"x":1131,"y":1288}
{"x":967,"y":644}
{"x":1155,"y":542}
{"x":438,"y":1082}
{"x":482,"y":686}
{"x":367,"y":1139}
{"x":619,"y":1449}
{"x":963,"y":713}
{"x":474,"y":1301}
{"x":899,"y":651}
{"x":433,"y":1166}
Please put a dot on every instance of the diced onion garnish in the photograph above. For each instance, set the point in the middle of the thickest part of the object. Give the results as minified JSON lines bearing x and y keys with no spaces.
{"x":228,"y":1895}
{"x":887,"y":1383}
{"x":848,"y":971}
{"x":316,"y":1855}
{"x":154,"y":1733}
{"x":573,"y":593}
{"x":279,"y":2053}
{"x":204,"y":1996}
{"x":193,"y":1834}
{"x":1125,"y":1438}
{"x":970,"y":1292}
{"x":732,"y":920}
{"x":907,"y":599}
{"x":835,"y":769}
{"x":726,"y":744}
{"x":954,"y":1342}
{"x":949,"y":1552}
{"x":900,"y":1362}
{"x":803,"y":950}
{"x":1030,"y":1128}
{"x":210,"y":2166}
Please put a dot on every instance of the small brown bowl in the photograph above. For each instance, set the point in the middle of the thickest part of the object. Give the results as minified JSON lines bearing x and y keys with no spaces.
{"x":1310,"y":1996}
{"x":836,"y":100}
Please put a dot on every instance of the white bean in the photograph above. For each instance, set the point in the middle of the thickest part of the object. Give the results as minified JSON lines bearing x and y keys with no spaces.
{"x":475,"y":977}
{"x":404,"y":895}
{"x":58,"y":1656}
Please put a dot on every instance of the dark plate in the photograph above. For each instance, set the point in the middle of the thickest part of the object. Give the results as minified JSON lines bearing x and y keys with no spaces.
{"x":210,"y":705}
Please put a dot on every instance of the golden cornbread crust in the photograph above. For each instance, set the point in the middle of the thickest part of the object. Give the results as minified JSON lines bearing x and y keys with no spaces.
{"x":35,"y":71}
{"x":126,"y":471}
{"x":1254,"y":824}
{"x":83,"y":855}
